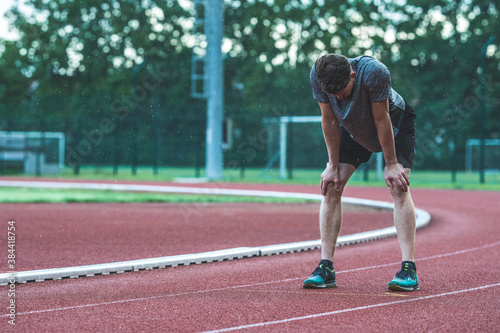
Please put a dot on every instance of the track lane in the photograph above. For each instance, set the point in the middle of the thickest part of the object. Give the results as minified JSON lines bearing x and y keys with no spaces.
{"x":262,"y":300}
{"x":463,"y":240}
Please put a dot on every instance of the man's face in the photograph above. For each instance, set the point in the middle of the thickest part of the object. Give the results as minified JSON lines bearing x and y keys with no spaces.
{"x":346,"y":92}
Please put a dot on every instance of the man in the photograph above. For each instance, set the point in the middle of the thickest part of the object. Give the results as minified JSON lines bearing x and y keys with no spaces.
{"x":361,"y":114}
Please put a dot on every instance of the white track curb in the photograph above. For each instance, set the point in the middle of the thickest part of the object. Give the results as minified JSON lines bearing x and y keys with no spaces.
{"x":423,"y":219}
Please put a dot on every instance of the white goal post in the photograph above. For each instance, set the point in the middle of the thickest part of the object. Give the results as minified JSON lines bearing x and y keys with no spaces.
{"x":283,"y":137}
{"x":491,"y":155}
{"x":283,"y":141}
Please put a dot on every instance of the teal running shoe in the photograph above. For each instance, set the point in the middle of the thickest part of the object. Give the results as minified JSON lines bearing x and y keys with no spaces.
{"x":322,"y":277}
{"x":406,"y":279}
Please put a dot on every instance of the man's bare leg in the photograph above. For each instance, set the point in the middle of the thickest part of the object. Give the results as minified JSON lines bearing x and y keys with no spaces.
{"x":330,"y":216}
{"x":404,"y":221}
{"x":330,"y":221}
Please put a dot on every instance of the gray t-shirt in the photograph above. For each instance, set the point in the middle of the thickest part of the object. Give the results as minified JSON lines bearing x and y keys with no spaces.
{"x":372,"y":84}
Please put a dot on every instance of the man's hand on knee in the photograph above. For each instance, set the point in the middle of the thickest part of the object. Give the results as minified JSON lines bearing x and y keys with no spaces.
{"x":396,"y":175}
{"x":330,"y":176}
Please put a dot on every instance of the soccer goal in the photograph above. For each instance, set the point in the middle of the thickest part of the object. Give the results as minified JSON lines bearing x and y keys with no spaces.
{"x":284,"y":134}
{"x":33,"y":152}
{"x":491,"y":155}
{"x":304,"y":146}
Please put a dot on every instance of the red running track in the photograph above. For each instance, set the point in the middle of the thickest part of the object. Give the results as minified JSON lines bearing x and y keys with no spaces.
{"x":63,"y":235}
{"x":457,"y":259}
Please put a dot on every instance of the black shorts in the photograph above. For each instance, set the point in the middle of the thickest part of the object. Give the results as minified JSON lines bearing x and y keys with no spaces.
{"x":353,"y":153}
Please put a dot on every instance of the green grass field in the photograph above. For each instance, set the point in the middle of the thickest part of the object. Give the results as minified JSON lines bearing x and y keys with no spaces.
{"x":425,"y":179}
{"x":422,"y":179}
{"x":38,"y":195}
{"x":419,"y":179}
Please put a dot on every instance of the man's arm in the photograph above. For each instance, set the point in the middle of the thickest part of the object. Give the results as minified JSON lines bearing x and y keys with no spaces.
{"x":394,"y":172}
{"x":331,"y":133}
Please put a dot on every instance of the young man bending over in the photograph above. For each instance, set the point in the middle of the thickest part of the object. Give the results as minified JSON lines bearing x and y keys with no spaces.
{"x":361,"y":114}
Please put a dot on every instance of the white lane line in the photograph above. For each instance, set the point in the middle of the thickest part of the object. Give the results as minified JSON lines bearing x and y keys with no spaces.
{"x":188,"y":190}
{"x":331,"y":313}
{"x":437,"y":256}
{"x":151,"y":297}
{"x":249,"y":285}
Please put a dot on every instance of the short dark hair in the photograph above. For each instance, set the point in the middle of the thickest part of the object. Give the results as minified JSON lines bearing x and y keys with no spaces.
{"x":333,"y":72}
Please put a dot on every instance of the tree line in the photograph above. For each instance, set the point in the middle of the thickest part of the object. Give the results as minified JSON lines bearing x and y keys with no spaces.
{"x":73,"y":67}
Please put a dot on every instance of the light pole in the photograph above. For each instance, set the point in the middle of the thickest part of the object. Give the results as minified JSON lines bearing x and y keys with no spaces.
{"x":213,"y":31}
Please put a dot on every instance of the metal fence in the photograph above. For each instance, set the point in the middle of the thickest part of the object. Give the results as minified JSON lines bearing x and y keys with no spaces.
{"x":150,"y":134}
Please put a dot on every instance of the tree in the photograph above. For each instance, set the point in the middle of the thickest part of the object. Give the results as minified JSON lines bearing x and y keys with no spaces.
{"x":91,"y":61}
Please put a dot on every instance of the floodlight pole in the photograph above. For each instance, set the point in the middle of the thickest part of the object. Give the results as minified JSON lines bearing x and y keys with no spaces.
{"x":214,"y":89}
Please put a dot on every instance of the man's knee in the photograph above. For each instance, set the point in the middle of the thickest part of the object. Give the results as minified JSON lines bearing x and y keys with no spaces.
{"x":398,"y":195}
{"x":332,"y":194}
